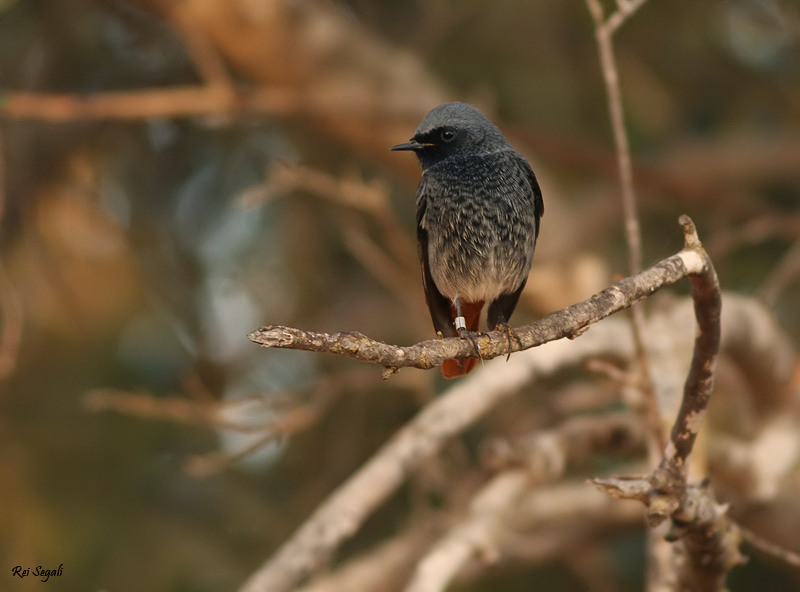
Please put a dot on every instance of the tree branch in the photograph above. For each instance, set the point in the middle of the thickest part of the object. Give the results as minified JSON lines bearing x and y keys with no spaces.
{"x":175,"y":101}
{"x":670,"y":477}
{"x":708,"y":541}
{"x":568,"y":322}
{"x":464,"y":403}
{"x":468,"y":400}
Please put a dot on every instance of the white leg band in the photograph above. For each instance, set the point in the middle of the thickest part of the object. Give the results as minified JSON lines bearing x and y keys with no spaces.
{"x":461,"y":323}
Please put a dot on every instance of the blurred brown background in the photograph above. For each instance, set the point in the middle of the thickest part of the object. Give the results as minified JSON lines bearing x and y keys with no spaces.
{"x":233,"y":170}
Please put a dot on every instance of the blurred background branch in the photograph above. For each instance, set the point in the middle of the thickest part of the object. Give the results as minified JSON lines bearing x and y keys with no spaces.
{"x":178,"y":173}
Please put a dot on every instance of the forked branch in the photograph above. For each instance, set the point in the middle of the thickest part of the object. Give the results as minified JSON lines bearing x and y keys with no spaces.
{"x":707,"y":545}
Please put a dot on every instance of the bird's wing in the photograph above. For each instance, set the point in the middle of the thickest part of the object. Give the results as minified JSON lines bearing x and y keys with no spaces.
{"x":438,"y":305}
{"x":501,"y":308}
{"x":538,"y":202}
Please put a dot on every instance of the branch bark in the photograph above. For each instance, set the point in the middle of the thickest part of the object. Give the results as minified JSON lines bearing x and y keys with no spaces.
{"x":708,"y":542}
{"x":568,"y":322}
{"x":669,"y":480}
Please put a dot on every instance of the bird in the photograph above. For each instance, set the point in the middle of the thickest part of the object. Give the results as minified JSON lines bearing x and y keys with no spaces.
{"x":478,"y":212}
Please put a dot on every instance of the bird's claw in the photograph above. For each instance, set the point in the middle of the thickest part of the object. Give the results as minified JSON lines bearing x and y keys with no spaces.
{"x":464,"y":334}
{"x":505,"y":328}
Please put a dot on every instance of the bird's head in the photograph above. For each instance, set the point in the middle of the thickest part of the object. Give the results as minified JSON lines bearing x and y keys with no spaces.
{"x":453,"y":129}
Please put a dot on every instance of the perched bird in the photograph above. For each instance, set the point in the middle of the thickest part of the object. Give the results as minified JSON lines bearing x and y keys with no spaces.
{"x":478,"y":212}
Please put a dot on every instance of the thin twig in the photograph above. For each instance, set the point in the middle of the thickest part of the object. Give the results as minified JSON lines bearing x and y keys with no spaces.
{"x":207,"y":60}
{"x":371,"y":198}
{"x":604,"y":32}
{"x":782,"y":275}
{"x":625,"y":9}
{"x":769,"y":548}
{"x":605,"y":27}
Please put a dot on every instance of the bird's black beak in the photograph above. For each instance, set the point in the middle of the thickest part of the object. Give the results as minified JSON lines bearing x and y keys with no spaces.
{"x":412,"y":145}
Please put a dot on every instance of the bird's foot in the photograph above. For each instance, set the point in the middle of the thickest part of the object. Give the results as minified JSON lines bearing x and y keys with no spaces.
{"x":510,"y":333}
{"x":460,"y":324}
{"x":463,"y":333}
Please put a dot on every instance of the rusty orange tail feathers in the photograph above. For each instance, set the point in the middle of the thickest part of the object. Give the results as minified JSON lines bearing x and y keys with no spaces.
{"x":472,"y":316}
{"x":456,"y":368}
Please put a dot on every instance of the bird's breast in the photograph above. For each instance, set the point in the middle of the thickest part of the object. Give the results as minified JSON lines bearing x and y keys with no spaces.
{"x":481,"y":223}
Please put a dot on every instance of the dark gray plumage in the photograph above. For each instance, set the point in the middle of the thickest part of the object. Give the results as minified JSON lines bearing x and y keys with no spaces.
{"x":478,"y":212}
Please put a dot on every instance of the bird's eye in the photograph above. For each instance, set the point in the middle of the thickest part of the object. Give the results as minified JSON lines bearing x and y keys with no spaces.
{"x":448,"y":135}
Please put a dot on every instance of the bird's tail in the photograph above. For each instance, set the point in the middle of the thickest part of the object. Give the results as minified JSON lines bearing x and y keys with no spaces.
{"x":456,"y":368}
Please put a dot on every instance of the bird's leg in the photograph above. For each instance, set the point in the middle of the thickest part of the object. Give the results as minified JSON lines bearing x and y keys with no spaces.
{"x":461,"y":327}
{"x":503,"y":326}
